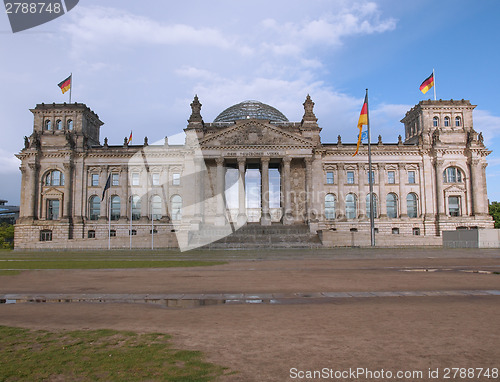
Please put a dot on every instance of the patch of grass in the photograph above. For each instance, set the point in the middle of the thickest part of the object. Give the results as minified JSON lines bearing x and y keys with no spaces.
{"x":98,"y":355}
{"x":102,"y":264}
{"x":9,"y":272}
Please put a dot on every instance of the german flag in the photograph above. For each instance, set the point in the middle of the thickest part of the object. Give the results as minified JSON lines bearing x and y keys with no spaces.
{"x":427,"y":84}
{"x":65,"y":85}
{"x":363,"y":120}
{"x":129,"y":138}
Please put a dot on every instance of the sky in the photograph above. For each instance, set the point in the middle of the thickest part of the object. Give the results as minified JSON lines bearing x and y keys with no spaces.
{"x":138,"y":65}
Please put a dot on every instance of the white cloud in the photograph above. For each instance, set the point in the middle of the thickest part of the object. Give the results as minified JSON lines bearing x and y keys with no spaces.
{"x":101,"y":26}
{"x":10,"y":164}
{"x":486,"y":123}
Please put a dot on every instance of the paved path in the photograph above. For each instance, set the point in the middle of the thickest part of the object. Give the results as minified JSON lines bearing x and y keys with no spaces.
{"x":187,"y":300}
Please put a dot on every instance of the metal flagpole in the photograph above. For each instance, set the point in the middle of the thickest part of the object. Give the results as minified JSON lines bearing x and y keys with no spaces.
{"x":70,"y":86}
{"x":109,"y":222}
{"x":130,"y":228}
{"x":370,"y":177}
{"x":152,"y":228}
{"x":434,"y":78}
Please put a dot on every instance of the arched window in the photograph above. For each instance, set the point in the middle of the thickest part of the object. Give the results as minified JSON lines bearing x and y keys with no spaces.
{"x":374,"y":205}
{"x":156,"y":208}
{"x":330,"y":207}
{"x":350,"y":206}
{"x":392,"y":205}
{"x":176,"y":207}
{"x":94,"y":207}
{"x":58,"y":124}
{"x":115,"y":207}
{"x":446,"y":121}
{"x":48,"y":125}
{"x":411,"y":205}
{"x":452,"y":175}
{"x":435,"y":121}
{"x":70,"y":124}
{"x":54,"y":178}
{"x":136,"y":207}
{"x":458,"y":122}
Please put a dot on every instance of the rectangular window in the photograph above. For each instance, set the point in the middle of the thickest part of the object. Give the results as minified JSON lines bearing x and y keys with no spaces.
{"x":454,"y":205}
{"x":411,"y":177}
{"x":95,"y":180}
{"x":46,"y":235}
{"x":135,"y":179}
{"x":350,"y":177}
{"x":52,"y":209}
{"x":329,"y":177}
{"x":368,"y":177}
{"x":112,"y":233}
{"x":91,"y":234}
{"x":416,"y":231}
{"x":176,"y":179}
{"x":391,"y":177}
{"x":115,"y":179}
{"x":395,"y":231}
{"x":132,"y":233}
{"x":156,"y":179}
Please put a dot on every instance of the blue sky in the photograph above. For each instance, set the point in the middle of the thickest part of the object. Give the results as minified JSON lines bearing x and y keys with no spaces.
{"x":139,"y":64}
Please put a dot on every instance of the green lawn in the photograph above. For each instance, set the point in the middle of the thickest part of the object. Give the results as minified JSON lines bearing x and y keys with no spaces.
{"x":14,"y":260}
{"x":98,"y":355}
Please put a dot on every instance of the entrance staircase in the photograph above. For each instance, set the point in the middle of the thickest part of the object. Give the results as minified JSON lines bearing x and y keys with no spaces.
{"x":252,"y":236}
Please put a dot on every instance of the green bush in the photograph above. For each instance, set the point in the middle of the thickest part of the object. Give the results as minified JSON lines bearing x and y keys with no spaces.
{"x":495,"y":213}
{"x":6,"y":235}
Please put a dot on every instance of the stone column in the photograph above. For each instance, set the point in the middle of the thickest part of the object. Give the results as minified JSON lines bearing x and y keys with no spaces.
{"x":242,"y":212}
{"x":124,"y":192}
{"x":220,"y":218}
{"x":440,"y":207}
{"x":266,"y":216}
{"x":287,"y":210}
{"x":340,"y":210}
{"x":32,"y":191}
{"x":478,"y":187}
{"x":362,"y":171}
{"x":308,"y":162}
{"x":199,"y":189}
{"x":382,"y":209}
{"x":68,"y":181}
{"x":402,"y":194}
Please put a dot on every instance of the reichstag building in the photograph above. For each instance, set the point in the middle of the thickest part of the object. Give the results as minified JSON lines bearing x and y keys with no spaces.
{"x":250,"y":178}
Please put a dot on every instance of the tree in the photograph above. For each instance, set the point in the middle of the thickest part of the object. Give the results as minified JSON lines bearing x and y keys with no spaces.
{"x":495,"y":213}
{"x":6,"y":235}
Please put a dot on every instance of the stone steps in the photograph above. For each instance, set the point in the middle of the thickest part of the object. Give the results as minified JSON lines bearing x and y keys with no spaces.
{"x":257,"y":236}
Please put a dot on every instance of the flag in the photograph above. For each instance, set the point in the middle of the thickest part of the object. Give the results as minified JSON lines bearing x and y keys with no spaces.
{"x":65,"y":85}
{"x":364,"y":136}
{"x":363,"y":120}
{"x":108,"y":184}
{"x":129,"y":138}
{"x":427,"y":84}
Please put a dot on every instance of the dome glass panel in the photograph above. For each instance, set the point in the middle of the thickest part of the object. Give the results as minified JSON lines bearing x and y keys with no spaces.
{"x":251,"y":109}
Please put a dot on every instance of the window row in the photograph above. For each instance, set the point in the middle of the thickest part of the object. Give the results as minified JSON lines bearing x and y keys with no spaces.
{"x":155,"y":207}
{"x":350,"y":177}
{"x":58,"y":125}
{"x":351,"y":206}
{"x":447,"y":121}
{"x":135,"y":179}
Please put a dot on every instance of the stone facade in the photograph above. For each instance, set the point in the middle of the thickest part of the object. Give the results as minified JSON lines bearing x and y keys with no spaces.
{"x":251,"y":170}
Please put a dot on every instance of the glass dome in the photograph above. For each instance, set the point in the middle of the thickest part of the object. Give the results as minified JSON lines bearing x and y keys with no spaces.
{"x":251,"y":109}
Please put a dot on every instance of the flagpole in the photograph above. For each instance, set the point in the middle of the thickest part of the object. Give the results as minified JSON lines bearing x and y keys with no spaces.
{"x":370,"y":180}
{"x":109,"y":222}
{"x":70,"y":86}
{"x":434,"y":77}
{"x":152,"y":227}
{"x":130,"y":229}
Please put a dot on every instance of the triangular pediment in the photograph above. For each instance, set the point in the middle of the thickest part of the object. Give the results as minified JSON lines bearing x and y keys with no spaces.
{"x":454,"y":188}
{"x":254,"y":133}
{"x":52,"y":193}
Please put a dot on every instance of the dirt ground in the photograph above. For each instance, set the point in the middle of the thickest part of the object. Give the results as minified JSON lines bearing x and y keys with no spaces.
{"x":264,"y":342}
